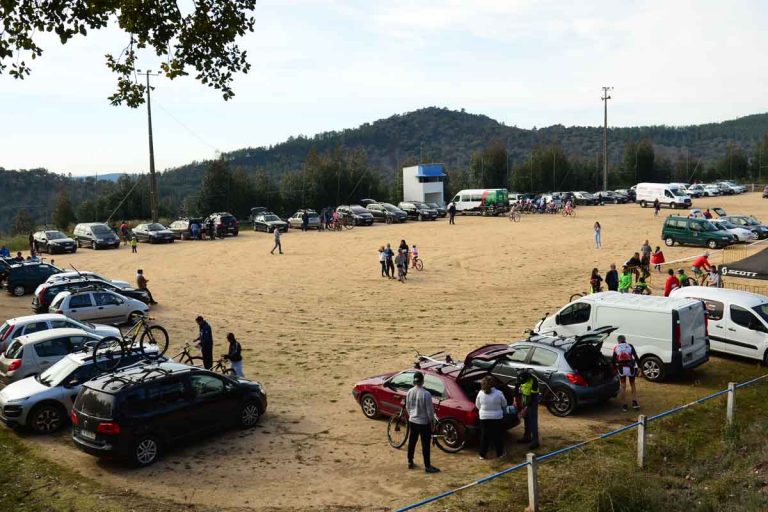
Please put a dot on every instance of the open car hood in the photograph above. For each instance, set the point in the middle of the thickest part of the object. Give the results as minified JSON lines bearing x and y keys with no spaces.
{"x":719,"y":211}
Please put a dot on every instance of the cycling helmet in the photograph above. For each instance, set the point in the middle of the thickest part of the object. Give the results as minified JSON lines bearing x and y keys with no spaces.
{"x":681,"y":271}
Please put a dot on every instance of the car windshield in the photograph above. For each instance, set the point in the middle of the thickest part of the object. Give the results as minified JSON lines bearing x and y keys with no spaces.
{"x":358,"y":209}
{"x":56,"y":374}
{"x":390,"y":207}
{"x":55,"y":235}
{"x":270,"y":218}
{"x":101,"y":230}
{"x":727,"y":225}
{"x":81,"y":324}
{"x":15,"y":351}
{"x":762,"y":311}
{"x":709,"y":226}
{"x":155,"y":227}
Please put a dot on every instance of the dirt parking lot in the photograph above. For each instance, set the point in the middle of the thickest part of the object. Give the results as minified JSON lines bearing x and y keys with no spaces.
{"x":318,"y":318}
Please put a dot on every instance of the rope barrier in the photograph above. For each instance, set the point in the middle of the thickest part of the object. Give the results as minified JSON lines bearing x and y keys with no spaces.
{"x":576,"y":446}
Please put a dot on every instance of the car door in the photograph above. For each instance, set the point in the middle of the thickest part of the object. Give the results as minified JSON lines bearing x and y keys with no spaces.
{"x":34,"y":327}
{"x":718,"y":321}
{"x":392,"y":394}
{"x":109,"y":308}
{"x":508,"y":369}
{"x":80,"y":307}
{"x":163,"y":407}
{"x":215,"y":400}
{"x":746,"y":334}
{"x":51,"y":351}
{"x":543,"y":362}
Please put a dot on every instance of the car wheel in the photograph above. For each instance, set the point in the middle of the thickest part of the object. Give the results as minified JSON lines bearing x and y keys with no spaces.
{"x":643,"y":204}
{"x":146,"y":451}
{"x":18,"y":291}
{"x":562,"y":402}
{"x":93,"y":245}
{"x":250,"y":414}
{"x":653,"y":368}
{"x":46,"y":419}
{"x":369,"y":406}
{"x":712,"y":244}
{"x":669,"y":242}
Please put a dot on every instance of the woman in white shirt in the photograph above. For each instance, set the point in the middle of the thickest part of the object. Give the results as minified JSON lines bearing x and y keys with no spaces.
{"x":491,"y":404}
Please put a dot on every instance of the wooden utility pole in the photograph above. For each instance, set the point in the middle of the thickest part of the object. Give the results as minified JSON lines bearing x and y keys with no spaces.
{"x":153,"y":197}
{"x":605,"y":97}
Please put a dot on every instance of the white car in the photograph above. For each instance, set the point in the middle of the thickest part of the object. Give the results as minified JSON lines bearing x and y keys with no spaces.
{"x":101,"y":306}
{"x":71,"y":276}
{"x":741,"y":234}
{"x":34,"y":353}
{"x":711,"y":190}
{"x":19,"y":326}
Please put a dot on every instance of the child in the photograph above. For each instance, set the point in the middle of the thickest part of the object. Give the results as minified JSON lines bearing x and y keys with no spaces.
{"x":657,"y":258}
{"x":714,"y":276}
{"x":414,"y":256}
{"x":383,"y":261}
{"x":134,"y":244}
{"x":401,"y":262}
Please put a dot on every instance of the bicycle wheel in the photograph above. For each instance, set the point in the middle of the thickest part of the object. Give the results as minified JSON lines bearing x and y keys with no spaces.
{"x":577,"y":296}
{"x":516,"y":216}
{"x":349,"y":223}
{"x":154,"y":336}
{"x":449,"y":435}
{"x":398,"y":430}
{"x":419,"y":265}
{"x":108,"y":353}
{"x":229,"y":372}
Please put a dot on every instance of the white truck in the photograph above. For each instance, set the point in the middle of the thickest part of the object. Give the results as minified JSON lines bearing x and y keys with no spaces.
{"x":669,"y":334}
{"x":668,"y":194}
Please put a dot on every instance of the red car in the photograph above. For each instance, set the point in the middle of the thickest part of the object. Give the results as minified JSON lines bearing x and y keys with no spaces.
{"x":453,"y":386}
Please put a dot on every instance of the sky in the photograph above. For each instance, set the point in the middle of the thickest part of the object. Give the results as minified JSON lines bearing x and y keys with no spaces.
{"x":320,"y":65}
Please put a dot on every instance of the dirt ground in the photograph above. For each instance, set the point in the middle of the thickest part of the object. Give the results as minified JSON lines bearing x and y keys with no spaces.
{"x":319,"y":318}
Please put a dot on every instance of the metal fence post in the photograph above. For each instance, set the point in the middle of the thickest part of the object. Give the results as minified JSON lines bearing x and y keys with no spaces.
{"x":642,"y":423}
{"x":729,"y":406}
{"x":533,"y":484}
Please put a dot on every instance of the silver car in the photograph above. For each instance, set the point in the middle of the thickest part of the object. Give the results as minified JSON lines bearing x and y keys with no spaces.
{"x":21,"y":325}
{"x":34,"y":353}
{"x":43,"y":402}
{"x":101,"y":306}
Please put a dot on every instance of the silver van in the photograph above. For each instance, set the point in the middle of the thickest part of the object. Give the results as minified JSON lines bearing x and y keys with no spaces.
{"x":96,"y":235}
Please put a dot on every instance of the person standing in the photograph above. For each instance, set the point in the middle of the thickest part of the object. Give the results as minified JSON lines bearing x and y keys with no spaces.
{"x":390,"y":254}
{"x":4,"y":252}
{"x":278,"y":245}
{"x":32,"y":243}
{"x":712,"y":280}
{"x":234,"y":355}
{"x":134,"y":245}
{"x":141,"y":284}
{"x":421,"y":414}
{"x":528,"y":393}
{"x":304,"y":221}
{"x":598,"y":229}
{"x":657,"y":258}
{"x":451,"y":212}
{"x":626,"y":362}
{"x":124,"y":232}
{"x":612,"y":279}
{"x":407,"y":251}
{"x":490,"y":403}
{"x":205,"y":338}
{"x":595,"y":281}
{"x":656,"y":207}
{"x":383,"y":262}
{"x":625,"y":280}
{"x":672,"y":283}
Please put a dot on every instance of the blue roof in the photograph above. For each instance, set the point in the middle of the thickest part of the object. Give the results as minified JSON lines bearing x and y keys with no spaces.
{"x":430,"y":170}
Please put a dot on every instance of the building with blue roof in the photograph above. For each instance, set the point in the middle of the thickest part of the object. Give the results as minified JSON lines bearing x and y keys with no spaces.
{"x":424,"y":182}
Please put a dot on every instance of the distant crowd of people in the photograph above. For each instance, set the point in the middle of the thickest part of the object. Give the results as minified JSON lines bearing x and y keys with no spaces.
{"x":404,"y":259}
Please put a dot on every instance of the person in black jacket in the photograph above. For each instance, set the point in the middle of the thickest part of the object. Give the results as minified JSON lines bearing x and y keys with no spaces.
{"x":612,"y":279}
{"x":234,"y":355}
{"x":206,"y":342}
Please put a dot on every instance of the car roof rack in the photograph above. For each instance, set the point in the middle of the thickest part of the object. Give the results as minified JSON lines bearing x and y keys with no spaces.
{"x":448,"y":365}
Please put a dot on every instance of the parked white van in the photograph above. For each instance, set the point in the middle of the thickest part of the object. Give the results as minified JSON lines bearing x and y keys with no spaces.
{"x":738,"y":321}
{"x":480,"y":199}
{"x":669,"y":335}
{"x":668,"y":194}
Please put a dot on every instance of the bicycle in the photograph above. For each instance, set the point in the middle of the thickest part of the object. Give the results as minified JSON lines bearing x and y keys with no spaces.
{"x":514,"y":214}
{"x":569,"y":211}
{"x":417,"y":263}
{"x":186,"y":357}
{"x":220,"y":366}
{"x":114,"y":349}
{"x":447,"y":434}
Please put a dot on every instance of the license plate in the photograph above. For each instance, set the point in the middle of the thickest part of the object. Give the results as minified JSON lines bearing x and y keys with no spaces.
{"x":88,"y":435}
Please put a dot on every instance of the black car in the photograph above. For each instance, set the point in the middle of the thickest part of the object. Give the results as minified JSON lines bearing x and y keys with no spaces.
{"x":46,"y":292}
{"x":137,"y":412}
{"x":359,"y":215}
{"x":182,"y":228}
{"x":153,"y":233}
{"x":96,"y":235}
{"x":609,"y":196}
{"x":267,"y":222}
{"x":224,"y":223}
{"x":5,"y":267}
{"x":385,"y":212}
{"x":23,"y":278}
{"x":52,"y":241}
{"x":418,"y":210}
{"x":441,"y":210}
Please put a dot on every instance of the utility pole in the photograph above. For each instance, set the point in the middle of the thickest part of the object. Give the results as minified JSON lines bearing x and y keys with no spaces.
{"x":554,"y":170}
{"x":153,"y":198}
{"x":605,"y":97}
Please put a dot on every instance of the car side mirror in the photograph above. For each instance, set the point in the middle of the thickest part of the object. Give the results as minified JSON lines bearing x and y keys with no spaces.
{"x":557,"y":319}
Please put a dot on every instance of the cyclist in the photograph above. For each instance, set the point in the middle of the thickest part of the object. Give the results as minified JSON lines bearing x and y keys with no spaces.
{"x":626,"y":362}
{"x":682,"y":277}
{"x":701,"y":265}
{"x":528,"y":395}
{"x":641,"y":287}
{"x":421,"y":415}
{"x":402,"y":264}
{"x":414,"y":255}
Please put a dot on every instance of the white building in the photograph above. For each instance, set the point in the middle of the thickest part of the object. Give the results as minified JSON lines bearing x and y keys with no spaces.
{"x":424,"y":182}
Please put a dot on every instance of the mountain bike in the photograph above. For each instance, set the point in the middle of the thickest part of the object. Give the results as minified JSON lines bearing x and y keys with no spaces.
{"x":186,"y":357}
{"x":417,"y":263}
{"x":112,"y":349}
{"x":569,"y":211}
{"x":514,"y":214}
{"x":447,"y":434}
{"x":221,"y":367}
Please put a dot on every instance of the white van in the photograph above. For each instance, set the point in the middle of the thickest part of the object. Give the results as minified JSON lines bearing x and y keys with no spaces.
{"x":668,"y":194}
{"x":670,"y":335}
{"x":738,"y":321}
{"x":480,"y":199}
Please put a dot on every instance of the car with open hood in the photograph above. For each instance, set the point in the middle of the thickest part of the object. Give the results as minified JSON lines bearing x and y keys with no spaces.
{"x":573,"y":368}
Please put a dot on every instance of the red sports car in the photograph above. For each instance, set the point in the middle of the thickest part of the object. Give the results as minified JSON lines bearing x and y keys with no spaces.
{"x":453,"y":386}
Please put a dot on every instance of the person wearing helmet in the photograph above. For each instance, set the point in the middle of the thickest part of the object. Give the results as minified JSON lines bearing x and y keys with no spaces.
{"x":626,"y":362}
{"x":527,"y":393}
{"x":421,"y":414}
{"x":682,"y":277}
{"x":701,"y":265}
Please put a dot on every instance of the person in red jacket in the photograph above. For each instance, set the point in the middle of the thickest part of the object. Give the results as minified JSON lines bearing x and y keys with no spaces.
{"x":671,"y":283}
{"x":701,"y":265}
{"x":657,"y":258}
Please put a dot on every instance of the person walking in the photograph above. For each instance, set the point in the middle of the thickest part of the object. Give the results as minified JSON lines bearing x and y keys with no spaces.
{"x":626,"y":362}
{"x":234,"y":355}
{"x":656,"y":207}
{"x":390,"y":254}
{"x":595,"y":281}
{"x":305,"y":221}
{"x":672,"y":283}
{"x":657,"y":258}
{"x":134,"y":245}
{"x":383,"y":262}
{"x":528,"y":393}
{"x":205,"y":338}
{"x":451,"y":212}
{"x":598,"y":229}
{"x":625,"y":280}
{"x":612,"y":279}
{"x":490,"y":403}
{"x":141,"y":284}
{"x":401,"y":261}
{"x":278,"y":245}
{"x":421,"y":414}
{"x":407,"y":251}
{"x":211,"y":230}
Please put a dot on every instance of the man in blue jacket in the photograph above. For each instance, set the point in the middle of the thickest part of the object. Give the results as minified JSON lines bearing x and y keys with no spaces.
{"x":206,"y":342}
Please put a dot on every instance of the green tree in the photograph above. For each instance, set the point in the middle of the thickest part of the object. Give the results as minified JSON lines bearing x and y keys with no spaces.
{"x":23,"y":224}
{"x":214,"y":194}
{"x":63,"y":214}
{"x":86,"y":211}
{"x":202,"y":39}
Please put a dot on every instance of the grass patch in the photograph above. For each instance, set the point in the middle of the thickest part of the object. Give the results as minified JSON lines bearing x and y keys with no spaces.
{"x":16,"y":243}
